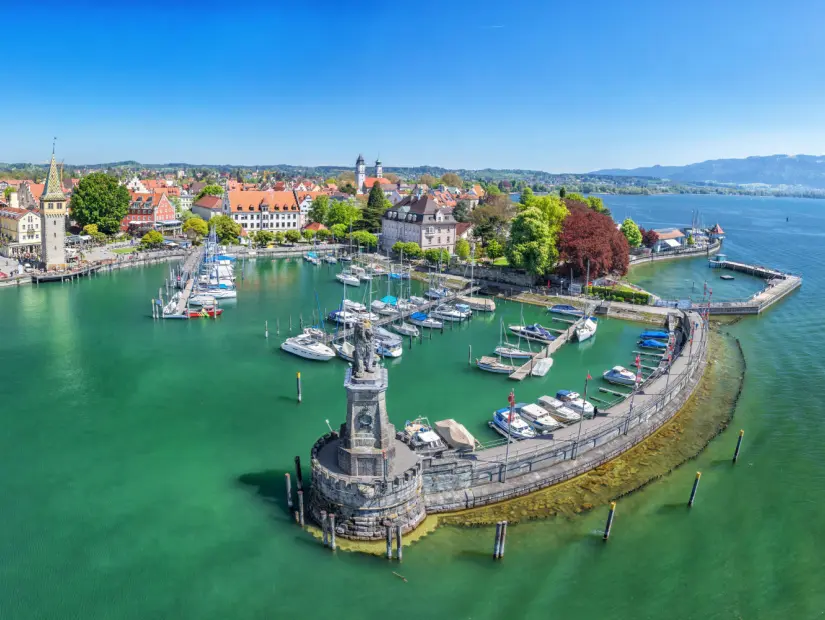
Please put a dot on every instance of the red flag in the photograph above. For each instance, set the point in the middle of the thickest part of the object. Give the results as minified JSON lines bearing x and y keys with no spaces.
{"x":512,"y":398}
{"x":589,"y":378}
{"x":638,"y":360}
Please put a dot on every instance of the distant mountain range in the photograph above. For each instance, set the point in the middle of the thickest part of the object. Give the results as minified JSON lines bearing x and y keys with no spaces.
{"x":799,"y":170}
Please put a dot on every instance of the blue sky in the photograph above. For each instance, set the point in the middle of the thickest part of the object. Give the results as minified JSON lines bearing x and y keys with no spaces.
{"x":556,"y":86}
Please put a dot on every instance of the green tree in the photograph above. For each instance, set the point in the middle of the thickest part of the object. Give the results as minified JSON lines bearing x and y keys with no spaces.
{"x":293,"y":236}
{"x":90,"y":229}
{"x":226,"y":229}
{"x":263,"y":238}
{"x":690,"y":240}
{"x":632,"y":233}
{"x":428,"y":179}
{"x":339,"y":231}
{"x":209,"y":190}
{"x":492,"y":190}
{"x":462,"y":249}
{"x":575,"y":197}
{"x":531,"y":245}
{"x":280,"y":237}
{"x":308,"y":234}
{"x":345,"y":213}
{"x":461,"y":213}
{"x":597,"y":204}
{"x":187,"y":215}
{"x":152,"y":239}
{"x":526,"y":196}
{"x":494,"y":250}
{"x":323,"y":234}
{"x":377,"y":204}
{"x":197,"y":226}
{"x":562,"y":192}
{"x":364,"y":238}
{"x":436,"y":255}
{"x":451,"y":179}
{"x":319,"y":209}
{"x":100,"y":199}
{"x":8,"y":192}
{"x":175,"y":200}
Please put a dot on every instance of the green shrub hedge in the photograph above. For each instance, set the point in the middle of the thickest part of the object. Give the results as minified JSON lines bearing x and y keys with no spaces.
{"x":605,"y":292}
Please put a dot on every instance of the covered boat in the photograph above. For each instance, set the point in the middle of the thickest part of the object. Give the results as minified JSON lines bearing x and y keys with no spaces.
{"x":649,"y":343}
{"x":655,"y":334}
{"x":586,"y":330}
{"x":559,"y":410}
{"x":423,"y":320}
{"x":455,"y":434}
{"x":565,"y":309}
{"x":535,"y":332}
{"x":574,"y":401}
{"x":422,"y":438}
{"x":542,"y":367}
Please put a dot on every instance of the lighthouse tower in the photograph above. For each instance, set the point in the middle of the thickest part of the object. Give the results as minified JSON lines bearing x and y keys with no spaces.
{"x":360,"y":174}
{"x":53,"y":221}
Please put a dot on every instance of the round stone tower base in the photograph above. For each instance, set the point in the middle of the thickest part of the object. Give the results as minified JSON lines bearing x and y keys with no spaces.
{"x":365,"y":505}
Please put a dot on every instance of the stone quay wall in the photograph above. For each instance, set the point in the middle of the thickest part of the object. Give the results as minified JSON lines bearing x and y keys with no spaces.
{"x":363,"y":506}
{"x":707,"y":250}
{"x":475,"y":480}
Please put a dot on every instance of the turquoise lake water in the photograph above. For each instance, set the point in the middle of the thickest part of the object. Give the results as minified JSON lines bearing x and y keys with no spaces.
{"x":142,"y":462}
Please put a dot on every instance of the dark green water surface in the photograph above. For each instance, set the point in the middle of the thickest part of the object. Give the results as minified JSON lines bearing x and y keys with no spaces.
{"x":141,"y":462}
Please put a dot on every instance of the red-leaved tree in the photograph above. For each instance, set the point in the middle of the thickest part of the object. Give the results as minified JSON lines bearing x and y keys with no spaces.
{"x":585,"y":235}
{"x":649,"y":237}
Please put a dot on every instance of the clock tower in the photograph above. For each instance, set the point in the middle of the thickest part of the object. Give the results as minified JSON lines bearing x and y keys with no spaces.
{"x":360,"y":174}
{"x":53,"y":211}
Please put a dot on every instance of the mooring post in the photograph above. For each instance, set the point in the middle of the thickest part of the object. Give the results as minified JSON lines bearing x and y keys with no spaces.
{"x":738,"y":445}
{"x":301,"y":507}
{"x":503,"y":539}
{"x":497,"y":542}
{"x":290,"y":323}
{"x":389,"y":542}
{"x":299,"y":478}
{"x":609,"y":523}
{"x":298,"y":379}
{"x":470,"y":355}
{"x":695,"y":487}
{"x":301,"y":320}
{"x":266,"y":329}
{"x":399,"y":549}
{"x":324,"y":527}
{"x":288,"y":490}
{"x":331,"y":518}
{"x":297,"y":518}
{"x":277,"y":326}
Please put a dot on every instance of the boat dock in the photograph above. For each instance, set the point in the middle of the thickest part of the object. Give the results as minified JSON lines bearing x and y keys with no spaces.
{"x":523,"y":371}
{"x":780,"y":285}
{"x":37,"y":278}
{"x":343,"y":334}
{"x":186,"y":282}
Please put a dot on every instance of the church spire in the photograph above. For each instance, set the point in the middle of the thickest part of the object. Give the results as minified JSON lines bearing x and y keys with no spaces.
{"x":53,"y":189}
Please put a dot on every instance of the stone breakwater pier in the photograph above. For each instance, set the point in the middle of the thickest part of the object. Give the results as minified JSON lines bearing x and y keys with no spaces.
{"x":371,"y":480}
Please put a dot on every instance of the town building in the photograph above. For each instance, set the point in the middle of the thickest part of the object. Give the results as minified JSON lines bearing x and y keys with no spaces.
{"x":263,"y":210}
{"x":186,"y":200}
{"x":669,"y":239}
{"x":19,"y":232}
{"x":29,"y":193}
{"x":304,"y":200}
{"x":716,"y":232}
{"x":53,"y":211}
{"x":150,"y":211}
{"x":363,"y":183}
{"x":422,"y":220}
{"x":136,"y":185}
{"x":208,"y":207}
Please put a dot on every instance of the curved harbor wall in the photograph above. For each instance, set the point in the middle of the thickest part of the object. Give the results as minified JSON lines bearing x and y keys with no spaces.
{"x":457,"y":482}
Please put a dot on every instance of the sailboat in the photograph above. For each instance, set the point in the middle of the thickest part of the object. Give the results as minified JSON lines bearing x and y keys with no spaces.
{"x":494,"y":364}
{"x":516,"y":353}
{"x":482,"y":304}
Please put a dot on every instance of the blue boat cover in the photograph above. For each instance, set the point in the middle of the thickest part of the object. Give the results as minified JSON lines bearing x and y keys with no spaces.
{"x":389,"y":299}
{"x":418,"y":316}
{"x":652,"y":344}
{"x":654,"y":334}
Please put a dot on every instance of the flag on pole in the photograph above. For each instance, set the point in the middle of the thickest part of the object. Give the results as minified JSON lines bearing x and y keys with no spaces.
{"x":589,"y":378}
{"x":638,"y":360}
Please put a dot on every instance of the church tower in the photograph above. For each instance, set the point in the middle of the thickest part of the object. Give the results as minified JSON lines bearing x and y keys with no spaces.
{"x":360,"y":174}
{"x":379,"y":169}
{"x":53,"y":221}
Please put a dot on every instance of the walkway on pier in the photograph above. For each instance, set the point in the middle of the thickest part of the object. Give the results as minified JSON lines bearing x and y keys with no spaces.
{"x":189,"y":272}
{"x":343,"y":334}
{"x":779,"y":286}
{"x":524,"y":370}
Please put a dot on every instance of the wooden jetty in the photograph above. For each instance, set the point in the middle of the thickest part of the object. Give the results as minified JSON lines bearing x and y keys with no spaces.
{"x":61,"y":276}
{"x":524,"y":370}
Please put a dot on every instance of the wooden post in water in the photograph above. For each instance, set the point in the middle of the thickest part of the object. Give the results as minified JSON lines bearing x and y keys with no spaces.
{"x":399,"y":552}
{"x":266,"y":329}
{"x":301,"y":321}
{"x":503,"y":539}
{"x":470,"y":355}
{"x":609,"y":525}
{"x":290,"y":323}
{"x":695,"y":487}
{"x":299,"y":386}
{"x":299,"y":478}
{"x":301,"y":507}
{"x":324,"y":527}
{"x":738,"y":445}
{"x":277,"y":326}
{"x":497,"y":543}
{"x":389,"y":542}
{"x":297,"y":518}
{"x":288,"y":490}
{"x":331,"y":518}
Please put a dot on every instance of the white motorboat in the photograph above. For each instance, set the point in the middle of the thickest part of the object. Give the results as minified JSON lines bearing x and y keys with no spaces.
{"x":513,"y":426}
{"x":329,"y":258}
{"x":405,"y":329}
{"x":422,"y":320}
{"x":420,"y":436}
{"x":308,"y":347}
{"x":559,"y":410}
{"x":360,"y":273}
{"x":539,"y":418}
{"x":575,"y":402}
{"x":202,"y":299}
{"x":587,"y":329}
{"x":620,"y":376}
{"x":418,"y":301}
{"x":354,"y":306}
{"x":534,"y":332}
{"x":388,"y":344}
{"x":436,"y":292}
{"x":542,"y":367}
{"x":221,"y":293}
{"x":449,"y":313}
{"x":346,"y":351}
{"x":348,"y":279}
{"x":343,"y":317}
{"x":367,"y":316}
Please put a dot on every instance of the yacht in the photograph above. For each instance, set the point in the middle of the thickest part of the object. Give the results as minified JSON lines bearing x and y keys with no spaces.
{"x":418,"y":301}
{"x":586,"y":329}
{"x":221,"y":293}
{"x":346,"y":351}
{"x":343,"y":317}
{"x":360,"y":273}
{"x":574,"y":401}
{"x":406,"y":329}
{"x":202,"y":299}
{"x":494,"y":364}
{"x":329,"y":258}
{"x":348,"y":279}
{"x":515,"y":427}
{"x":423,"y":320}
{"x":513,"y":353}
{"x":388,"y":344}
{"x":354,"y":306}
{"x":308,"y":347}
{"x":539,"y":418}
{"x":436,"y":293}
{"x":565,"y":310}
{"x":559,"y":410}
{"x":449,"y":313}
{"x":420,"y":436}
{"x":534,"y":332}
{"x":620,"y":376}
